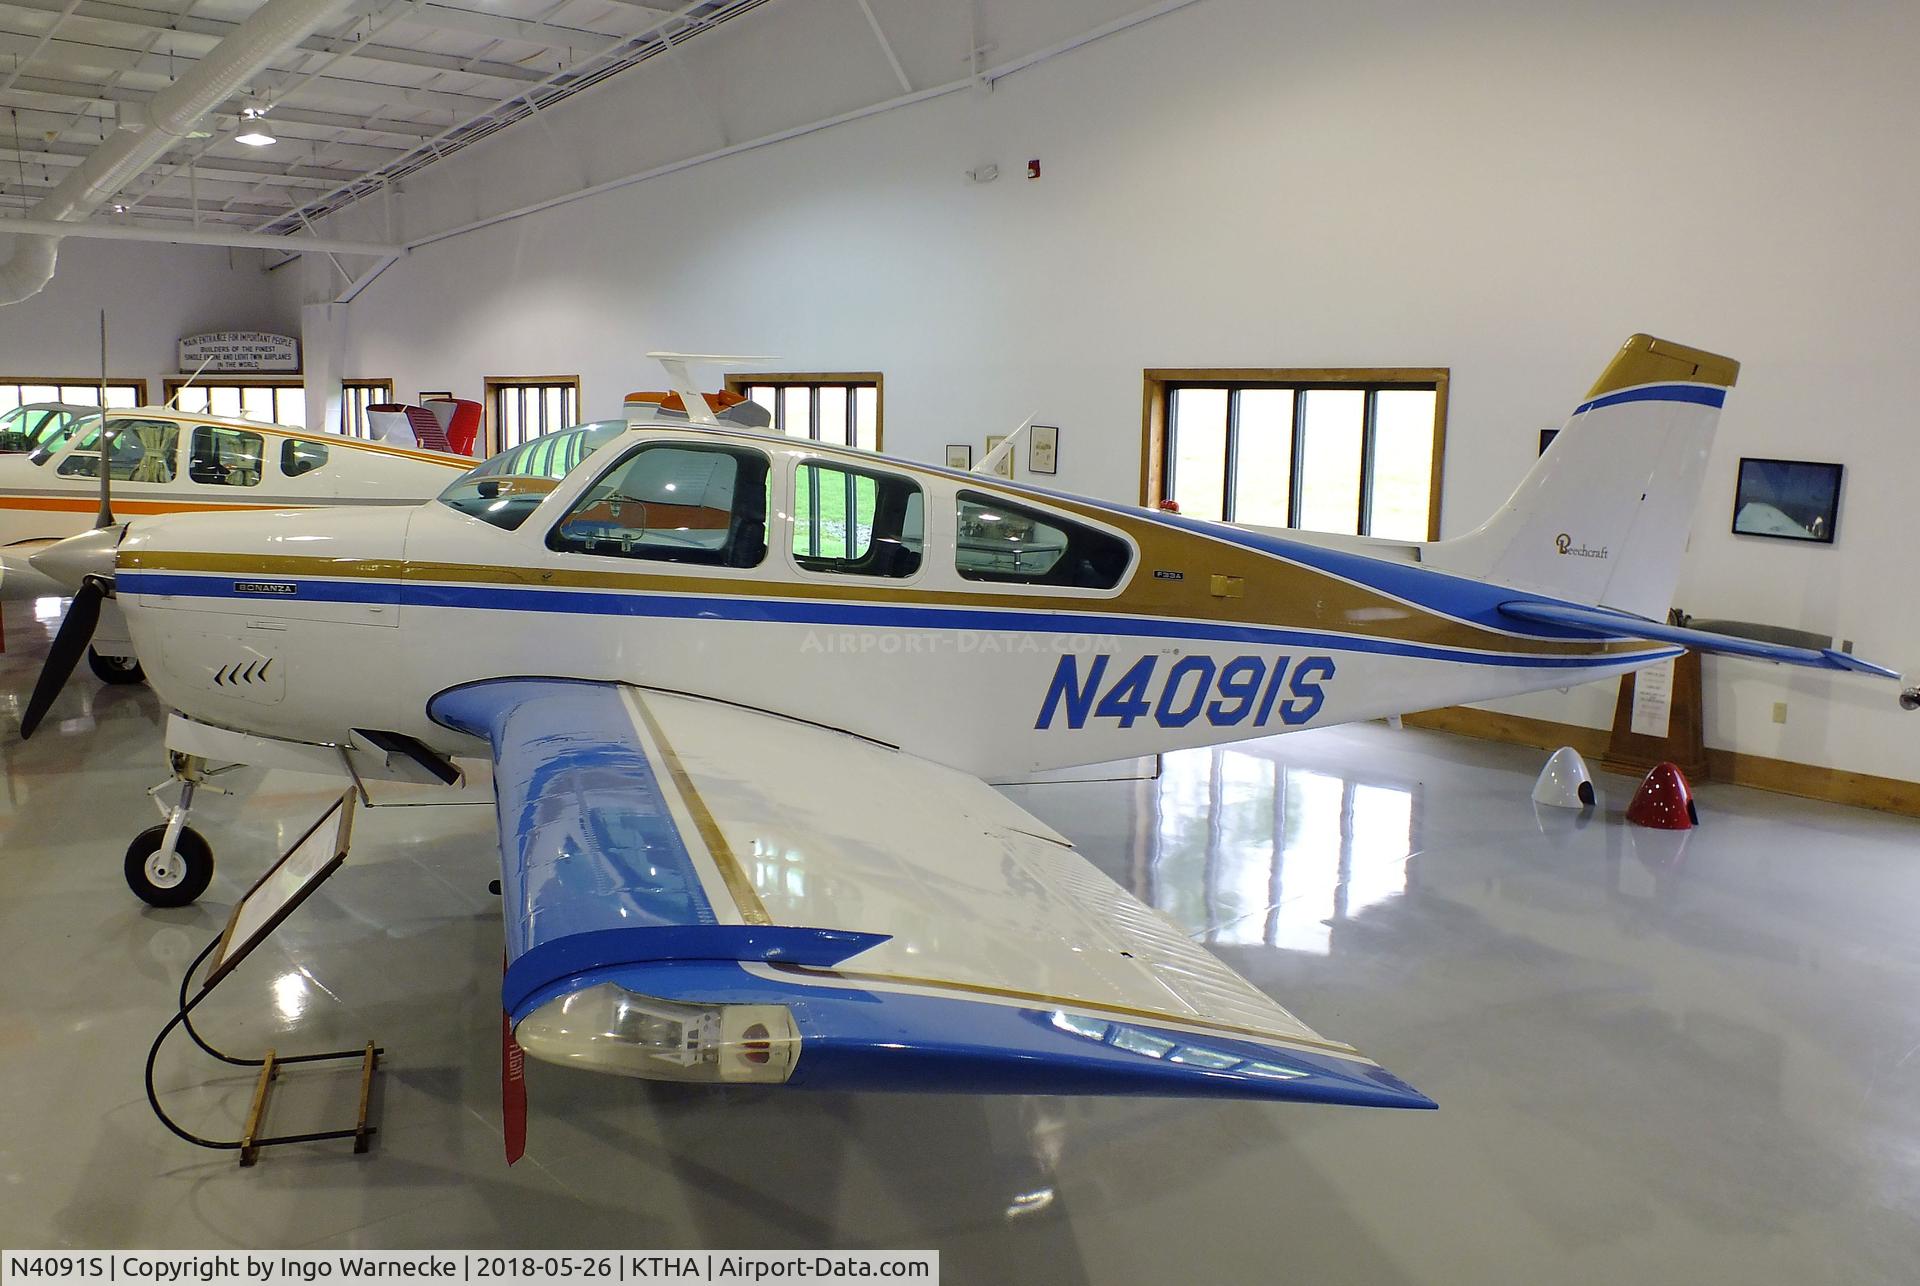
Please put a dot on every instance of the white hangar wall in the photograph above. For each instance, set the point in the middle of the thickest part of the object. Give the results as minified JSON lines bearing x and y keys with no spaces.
{"x":1506,"y":190}
{"x":153,"y":294}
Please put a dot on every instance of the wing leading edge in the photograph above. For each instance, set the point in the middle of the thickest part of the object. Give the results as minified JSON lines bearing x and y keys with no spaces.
{"x":699,"y":892}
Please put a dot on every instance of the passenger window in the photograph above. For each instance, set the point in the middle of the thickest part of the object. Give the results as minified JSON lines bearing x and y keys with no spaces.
{"x":140,"y":451}
{"x":223,"y":457}
{"x":677,"y":504}
{"x":298,"y":456}
{"x":1014,"y":545}
{"x":854,"y":523}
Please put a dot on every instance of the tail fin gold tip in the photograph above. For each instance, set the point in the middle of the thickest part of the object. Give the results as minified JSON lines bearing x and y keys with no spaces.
{"x":1646,"y":360}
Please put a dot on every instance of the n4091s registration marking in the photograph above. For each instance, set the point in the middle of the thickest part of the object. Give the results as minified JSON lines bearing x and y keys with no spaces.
{"x":1225,"y":693}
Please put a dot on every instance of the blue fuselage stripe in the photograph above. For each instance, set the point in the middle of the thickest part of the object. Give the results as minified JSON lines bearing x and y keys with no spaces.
{"x":809,"y":612}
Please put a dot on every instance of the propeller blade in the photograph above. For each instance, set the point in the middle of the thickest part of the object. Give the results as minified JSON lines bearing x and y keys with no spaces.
{"x":69,"y":645}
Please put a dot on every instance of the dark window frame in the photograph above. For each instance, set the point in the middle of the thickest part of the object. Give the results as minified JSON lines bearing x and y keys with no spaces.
{"x":1158,"y":445}
{"x":497,"y":386}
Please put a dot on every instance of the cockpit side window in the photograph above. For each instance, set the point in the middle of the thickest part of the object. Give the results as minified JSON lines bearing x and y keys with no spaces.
{"x":1014,"y":545}
{"x":138,"y":451}
{"x":856,"y":522}
{"x":674,"y":502}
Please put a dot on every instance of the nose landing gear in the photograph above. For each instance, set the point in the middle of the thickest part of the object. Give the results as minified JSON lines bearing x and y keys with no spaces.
{"x":172,"y":864}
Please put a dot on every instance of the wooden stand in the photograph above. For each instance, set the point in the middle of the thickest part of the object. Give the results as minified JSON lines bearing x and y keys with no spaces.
{"x":287,"y":883}
{"x":1685,"y":743}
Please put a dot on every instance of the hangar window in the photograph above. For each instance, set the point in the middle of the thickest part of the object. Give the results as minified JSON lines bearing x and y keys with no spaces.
{"x":1351,"y":451}
{"x":1018,"y":546}
{"x":355,"y":397}
{"x":856,"y":523}
{"x":677,"y":503}
{"x":46,"y":395}
{"x":843,"y":409}
{"x":269,"y":401}
{"x":223,"y":457}
{"x":522,"y":408}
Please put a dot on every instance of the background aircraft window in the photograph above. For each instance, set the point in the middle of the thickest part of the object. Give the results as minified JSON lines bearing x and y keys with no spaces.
{"x":141,"y":451}
{"x":26,"y":427}
{"x":682,"y":504}
{"x":510,"y":486}
{"x":298,"y":456}
{"x":222,"y":457}
{"x":1003,"y":542}
{"x":856,"y":523}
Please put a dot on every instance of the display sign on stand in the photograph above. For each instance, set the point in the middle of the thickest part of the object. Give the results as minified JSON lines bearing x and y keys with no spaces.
{"x":301,"y":870}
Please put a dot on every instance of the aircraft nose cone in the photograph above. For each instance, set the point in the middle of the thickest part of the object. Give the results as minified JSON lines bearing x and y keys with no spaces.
{"x":69,"y":562}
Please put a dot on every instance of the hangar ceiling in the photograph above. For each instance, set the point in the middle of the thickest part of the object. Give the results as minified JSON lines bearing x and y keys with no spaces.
{"x":392,"y":86}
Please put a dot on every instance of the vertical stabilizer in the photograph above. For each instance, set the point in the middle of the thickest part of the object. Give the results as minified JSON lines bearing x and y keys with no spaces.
{"x":1602,"y":516}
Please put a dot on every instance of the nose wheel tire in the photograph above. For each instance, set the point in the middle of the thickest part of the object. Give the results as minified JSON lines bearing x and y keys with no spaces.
{"x":115,"y":669}
{"x":175,"y":881}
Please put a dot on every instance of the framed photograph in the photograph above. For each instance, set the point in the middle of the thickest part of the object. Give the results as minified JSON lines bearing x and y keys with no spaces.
{"x":1005,"y":468}
{"x":1043,"y":448}
{"x":433,"y":397}
{"x":959,"y":456}
{"x":1788,"y":499}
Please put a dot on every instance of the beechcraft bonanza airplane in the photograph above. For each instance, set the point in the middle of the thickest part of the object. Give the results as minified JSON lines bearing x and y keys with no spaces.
{"x":164,"y":462}
{"x":742,"y":694}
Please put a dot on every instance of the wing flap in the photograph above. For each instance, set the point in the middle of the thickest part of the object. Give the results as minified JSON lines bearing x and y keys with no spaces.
{"x":681,"y":866}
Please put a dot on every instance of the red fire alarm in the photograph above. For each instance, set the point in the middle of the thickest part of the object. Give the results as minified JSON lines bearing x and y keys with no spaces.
{"x":1033,"y":169}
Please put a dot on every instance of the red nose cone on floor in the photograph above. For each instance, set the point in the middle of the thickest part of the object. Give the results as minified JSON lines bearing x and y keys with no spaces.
{"x":1663,"y":801}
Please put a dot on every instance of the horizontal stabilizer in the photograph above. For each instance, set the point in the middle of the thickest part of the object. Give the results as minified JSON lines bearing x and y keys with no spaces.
{"x":1621,"y":625}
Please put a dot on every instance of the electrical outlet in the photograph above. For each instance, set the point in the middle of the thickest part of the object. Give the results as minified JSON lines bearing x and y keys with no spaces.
{"x":1779,"y":712}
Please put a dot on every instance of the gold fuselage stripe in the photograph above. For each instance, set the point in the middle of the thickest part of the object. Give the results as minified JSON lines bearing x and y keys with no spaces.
{"x":1278,"y":594}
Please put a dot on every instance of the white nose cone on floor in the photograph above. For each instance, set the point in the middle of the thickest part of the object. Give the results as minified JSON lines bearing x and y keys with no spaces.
{"x":1564,"y":782}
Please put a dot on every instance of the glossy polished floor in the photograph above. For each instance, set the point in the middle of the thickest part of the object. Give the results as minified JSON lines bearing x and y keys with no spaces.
{"x":1656,"y":1060}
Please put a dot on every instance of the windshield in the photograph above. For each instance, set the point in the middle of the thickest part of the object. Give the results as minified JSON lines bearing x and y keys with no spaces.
{"x":511,"y":485}
{"x":26,"y":428}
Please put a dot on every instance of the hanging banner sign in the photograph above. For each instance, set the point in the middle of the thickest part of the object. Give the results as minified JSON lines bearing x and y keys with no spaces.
{"x":240,"y":350}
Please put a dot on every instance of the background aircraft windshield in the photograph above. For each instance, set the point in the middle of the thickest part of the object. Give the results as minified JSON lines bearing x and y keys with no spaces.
{"x":511,"y":485}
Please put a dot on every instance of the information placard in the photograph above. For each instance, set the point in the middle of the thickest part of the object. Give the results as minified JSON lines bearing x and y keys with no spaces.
{"x":287,"y":883}
{"x":245,"y":351}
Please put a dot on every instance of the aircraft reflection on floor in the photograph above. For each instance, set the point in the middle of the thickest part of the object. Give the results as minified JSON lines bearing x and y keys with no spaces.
{"x":1247,"y":850}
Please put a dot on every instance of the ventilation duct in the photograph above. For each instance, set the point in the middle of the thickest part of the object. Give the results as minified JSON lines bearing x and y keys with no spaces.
{"x":273,"y":29}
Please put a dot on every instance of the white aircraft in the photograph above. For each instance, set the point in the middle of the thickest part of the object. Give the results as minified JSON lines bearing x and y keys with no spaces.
{"x":164,"y":462}
{"x":742,"y":695}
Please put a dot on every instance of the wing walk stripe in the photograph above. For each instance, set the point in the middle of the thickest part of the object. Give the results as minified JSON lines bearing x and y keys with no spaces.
{"x":1158,"y":1017}
{"x":739,"y":885}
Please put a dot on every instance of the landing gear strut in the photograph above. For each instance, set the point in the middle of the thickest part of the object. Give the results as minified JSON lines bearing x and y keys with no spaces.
{"x":172,"y":864}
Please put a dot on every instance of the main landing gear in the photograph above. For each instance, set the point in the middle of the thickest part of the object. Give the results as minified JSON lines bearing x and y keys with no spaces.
{"x":172,"y":864}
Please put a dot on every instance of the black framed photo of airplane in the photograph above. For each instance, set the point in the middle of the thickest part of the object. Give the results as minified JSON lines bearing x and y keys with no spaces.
{"x":1043,"y":449}
{"x":1787,"y":499}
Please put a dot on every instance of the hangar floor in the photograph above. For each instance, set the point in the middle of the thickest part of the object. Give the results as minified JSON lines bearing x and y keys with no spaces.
{"x":1656,"y":1059}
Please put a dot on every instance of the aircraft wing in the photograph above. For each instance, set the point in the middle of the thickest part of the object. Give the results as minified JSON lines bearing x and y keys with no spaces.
{"x":1622,"y":625}
{"x":695,"y":891}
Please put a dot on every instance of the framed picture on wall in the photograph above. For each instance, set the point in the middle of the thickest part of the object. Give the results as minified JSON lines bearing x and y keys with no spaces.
{"x":433,"y":397}
{"x":1787,"y":499}
{"x":959,"y":456}
{"x":1004,"y":469}
{"x":1043,"y":448}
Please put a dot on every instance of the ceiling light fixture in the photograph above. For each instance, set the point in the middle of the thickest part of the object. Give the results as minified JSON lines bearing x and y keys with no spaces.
{"x":253,"y":128}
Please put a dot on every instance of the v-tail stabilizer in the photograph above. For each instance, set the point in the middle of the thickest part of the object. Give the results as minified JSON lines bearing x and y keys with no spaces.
{"x":1614,"y":624}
